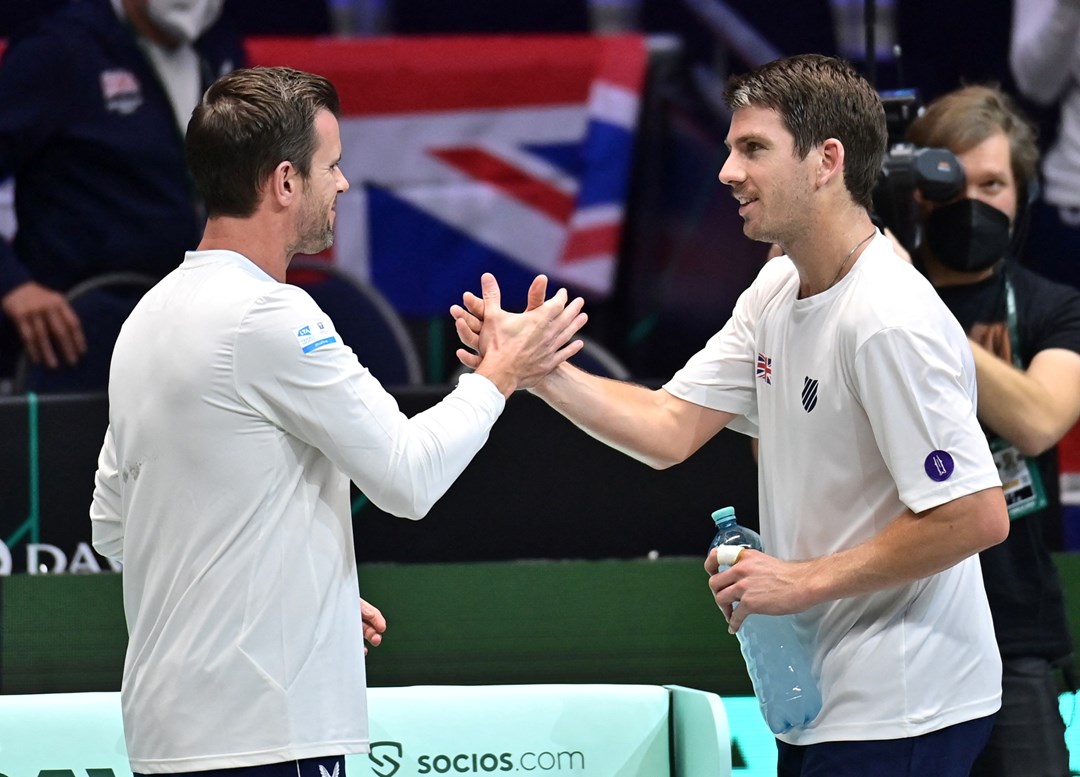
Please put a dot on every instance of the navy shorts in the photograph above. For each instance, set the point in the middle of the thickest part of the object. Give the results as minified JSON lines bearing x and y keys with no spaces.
{"x":945,"y":753}
{"x":325,"y":766}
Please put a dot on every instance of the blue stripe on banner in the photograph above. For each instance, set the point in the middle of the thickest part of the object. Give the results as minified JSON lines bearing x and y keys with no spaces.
{"x":565,"y":156}
{"x":606,"y":152}
{"x":319,"y":344}
{"x":423,"y":265}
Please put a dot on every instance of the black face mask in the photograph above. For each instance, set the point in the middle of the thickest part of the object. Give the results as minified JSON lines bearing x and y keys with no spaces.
{"x":967,"y":235}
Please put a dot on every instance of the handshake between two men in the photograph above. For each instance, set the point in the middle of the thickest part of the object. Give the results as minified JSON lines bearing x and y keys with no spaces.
{"x":517,"y":350}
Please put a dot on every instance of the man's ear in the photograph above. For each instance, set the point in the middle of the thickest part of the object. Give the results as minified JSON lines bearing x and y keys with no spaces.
{"x":283,"y":183}
{"x":832,"y":161}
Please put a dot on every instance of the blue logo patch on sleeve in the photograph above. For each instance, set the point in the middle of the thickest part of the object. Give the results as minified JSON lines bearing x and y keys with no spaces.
{"x":939,"y":465}
{"x":314,"y":336}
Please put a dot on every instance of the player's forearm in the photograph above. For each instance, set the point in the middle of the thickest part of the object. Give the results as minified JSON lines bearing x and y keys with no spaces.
{"x":424,"y":455}
{"x":649,"y":425}
{"x":913,"y":547}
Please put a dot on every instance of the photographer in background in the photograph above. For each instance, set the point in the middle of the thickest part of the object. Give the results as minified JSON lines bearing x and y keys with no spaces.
{"x":1025,"y":335}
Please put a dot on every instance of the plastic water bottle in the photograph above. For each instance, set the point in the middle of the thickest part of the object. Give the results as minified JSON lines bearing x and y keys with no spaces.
{"x":776,"y":659}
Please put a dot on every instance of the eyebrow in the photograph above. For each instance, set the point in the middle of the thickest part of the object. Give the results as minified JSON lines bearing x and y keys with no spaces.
{"x":750,"y":136}
{"x":994,"y":173}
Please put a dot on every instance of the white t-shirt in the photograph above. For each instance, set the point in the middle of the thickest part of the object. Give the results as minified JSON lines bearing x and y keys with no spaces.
{"x":237,"y":418}
{"x":863,"y":397}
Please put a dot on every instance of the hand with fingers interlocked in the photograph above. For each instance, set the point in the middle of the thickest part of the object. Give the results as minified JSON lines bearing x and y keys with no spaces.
{"x":517,"y":350}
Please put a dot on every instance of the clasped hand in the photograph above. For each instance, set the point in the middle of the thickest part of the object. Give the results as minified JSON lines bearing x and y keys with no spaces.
{"x":517,"y":350}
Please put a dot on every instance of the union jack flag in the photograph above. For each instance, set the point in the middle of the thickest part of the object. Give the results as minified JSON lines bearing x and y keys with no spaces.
{"x":503,"y":154}
{"x":118,"y":83}
{"x":764,"y":368}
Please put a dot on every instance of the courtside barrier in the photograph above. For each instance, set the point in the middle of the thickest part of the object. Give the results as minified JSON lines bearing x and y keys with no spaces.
{"x":581,"y":730}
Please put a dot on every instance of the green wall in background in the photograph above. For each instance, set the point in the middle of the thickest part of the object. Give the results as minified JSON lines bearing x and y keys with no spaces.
{"x":61,"y":633}
{"x":489,"y":623}
{"x":639,"y":621}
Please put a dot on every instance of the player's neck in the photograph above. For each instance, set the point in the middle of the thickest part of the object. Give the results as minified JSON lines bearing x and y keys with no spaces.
{"x":825,"y":257}
{"x":261,"y":245}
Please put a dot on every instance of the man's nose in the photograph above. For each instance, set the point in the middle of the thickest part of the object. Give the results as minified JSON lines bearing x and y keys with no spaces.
{"x":731,"y":172}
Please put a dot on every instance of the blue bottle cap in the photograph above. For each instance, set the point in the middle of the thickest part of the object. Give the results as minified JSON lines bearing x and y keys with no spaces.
{"x":723,"y":514}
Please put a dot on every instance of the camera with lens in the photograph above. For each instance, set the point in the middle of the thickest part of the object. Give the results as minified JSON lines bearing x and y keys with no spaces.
{"x":934,"y":172}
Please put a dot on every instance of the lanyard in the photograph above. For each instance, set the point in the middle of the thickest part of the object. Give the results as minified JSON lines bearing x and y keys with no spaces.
{"x":1010,"y":314}
{"x":1020,"y":478}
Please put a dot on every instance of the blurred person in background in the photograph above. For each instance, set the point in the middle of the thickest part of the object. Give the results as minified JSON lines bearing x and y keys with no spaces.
{"x":94,"y":99}
{"x":1044,"y":56}
{"x":1025,"y":336}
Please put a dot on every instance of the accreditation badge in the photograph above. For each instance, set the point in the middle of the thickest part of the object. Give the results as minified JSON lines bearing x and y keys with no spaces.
{"x":1020,"y":479}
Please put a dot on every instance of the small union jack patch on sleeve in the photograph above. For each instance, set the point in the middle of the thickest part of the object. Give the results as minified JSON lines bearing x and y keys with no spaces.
{"x":764,"y":368}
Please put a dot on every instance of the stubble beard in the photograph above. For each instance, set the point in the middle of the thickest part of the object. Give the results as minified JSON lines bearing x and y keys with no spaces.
{"x":314,"y":237}
{"x":758,"y":233}
{"x":314,"y":243}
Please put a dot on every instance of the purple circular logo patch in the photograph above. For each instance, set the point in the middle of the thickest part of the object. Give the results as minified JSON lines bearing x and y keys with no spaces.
{"x":939,"y":465}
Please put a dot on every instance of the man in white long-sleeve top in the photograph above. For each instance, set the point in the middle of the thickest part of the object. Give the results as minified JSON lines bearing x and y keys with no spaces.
{"x":237,"y":420}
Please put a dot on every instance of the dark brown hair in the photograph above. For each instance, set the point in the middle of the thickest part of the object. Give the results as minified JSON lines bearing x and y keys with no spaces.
{"x":818,"y":98}
{"x":246,"y":124}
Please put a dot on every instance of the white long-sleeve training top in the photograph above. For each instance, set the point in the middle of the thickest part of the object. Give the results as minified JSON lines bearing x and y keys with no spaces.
{"x":237,"y":419}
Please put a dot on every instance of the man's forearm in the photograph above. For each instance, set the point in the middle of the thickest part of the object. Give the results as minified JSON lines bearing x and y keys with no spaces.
{"x":913,"y":547}
{"x":649,"y":425}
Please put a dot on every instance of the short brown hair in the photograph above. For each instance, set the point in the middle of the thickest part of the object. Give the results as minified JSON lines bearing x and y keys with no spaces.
{"x":246,"y":124}
{"x":818,"y":98}
{"x":962,"y":119}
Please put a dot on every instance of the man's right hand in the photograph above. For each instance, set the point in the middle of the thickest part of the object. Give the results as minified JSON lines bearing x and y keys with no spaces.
{"x":46,"y":323}
{"x":516,"y":350}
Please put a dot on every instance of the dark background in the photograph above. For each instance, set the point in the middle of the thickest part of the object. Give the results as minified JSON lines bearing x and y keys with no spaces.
{"x":539,"y":489}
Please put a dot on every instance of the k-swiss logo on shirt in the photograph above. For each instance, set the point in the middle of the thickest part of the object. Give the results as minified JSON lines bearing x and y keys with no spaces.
{"x":121,"y":91}
{"x":809,"y":393}
{"x":764,"y":368}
